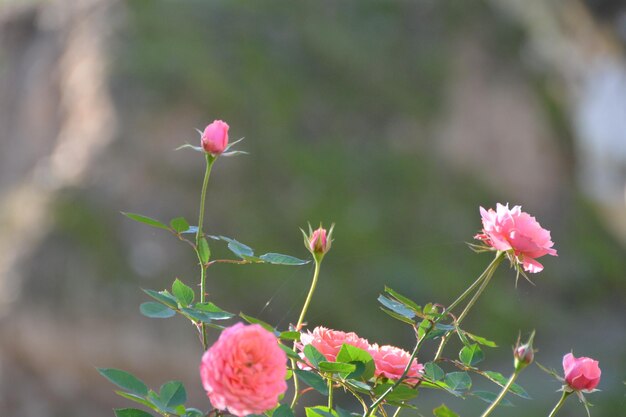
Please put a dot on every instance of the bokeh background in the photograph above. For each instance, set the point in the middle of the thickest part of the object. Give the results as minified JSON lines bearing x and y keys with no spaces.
{"x":394,"y":119}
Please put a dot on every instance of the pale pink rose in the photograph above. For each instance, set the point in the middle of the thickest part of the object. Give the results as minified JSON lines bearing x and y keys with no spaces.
{"x":244,"y":371}
{"x":514,"y":230}
{"x":329,"y":341}
{"x":215,"y":137}
{"x":391,"y":361}
{"x":581,"y":374}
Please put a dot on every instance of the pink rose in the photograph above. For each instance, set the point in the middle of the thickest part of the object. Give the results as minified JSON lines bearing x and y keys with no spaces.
{"x":329,"y":342}
{"x":215,"y":137}
{"x":581,"y":374}
{"x":514,"y":230}
{"x":244,"y":370}
{"x":318,"y":241}
{"x":391,"y":361}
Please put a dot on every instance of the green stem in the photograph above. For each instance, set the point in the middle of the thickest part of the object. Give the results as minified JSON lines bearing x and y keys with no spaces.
{"x":501,"y":395}
{"x":559,"y":404}
{"x":307,"y":302}
{"x":199,"y":235}
{"x":397,"y":412}
{"x":309,"y":297}
{"x":330,"y":394}
{"x":481,"y":283}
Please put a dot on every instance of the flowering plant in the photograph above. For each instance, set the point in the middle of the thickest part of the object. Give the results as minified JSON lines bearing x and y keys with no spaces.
{"x":248,"y":370}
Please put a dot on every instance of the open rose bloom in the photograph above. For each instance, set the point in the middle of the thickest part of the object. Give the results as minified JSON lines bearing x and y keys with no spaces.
{"x":581,"y":374}
{"x":514,"y":230}
{"x":244,"y":371}
{"x":329,"y":341}
{"x":391,"y":361}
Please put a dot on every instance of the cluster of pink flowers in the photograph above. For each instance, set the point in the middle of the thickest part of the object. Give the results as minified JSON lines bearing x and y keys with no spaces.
{"x":514,"y":230}
{"x":390,"y":361}
{"x":244,"y":371}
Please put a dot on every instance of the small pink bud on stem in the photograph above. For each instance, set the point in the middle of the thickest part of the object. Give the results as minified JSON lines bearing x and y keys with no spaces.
{"x":524,"y":354}
{"x":215,"y":137}
{"x":318,"y":241}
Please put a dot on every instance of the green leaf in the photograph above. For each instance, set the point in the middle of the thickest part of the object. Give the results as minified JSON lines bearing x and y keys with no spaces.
{"x":197,"y":315}
{"x":156,"y":310}
{"x":313,"y":380}
{"x":336,"y":367}
{"x":146,"y":220}
{"x":490,"y":397}
{"x":443,"y":411}
{"x":313,"y":355}
{"x":124,"y":380}
{"x":216,"y":313}
{"x":359,"y":385}
{"x":481,"y":340}
{"x":280,"y":259}
{"x":319,"y":411}
{"x":501,"y":380}
{"x":462,"y":337}
{"x":404,"y":300}
{"x":349,"y":353}
{"x":203,"y":250}
{"x":154,"y":398}
{"x":283,"y":411}
{"x":193,"y":412}
{"x":173,"y":394}
{"x":433,"y":372}
{"x":341,"y":412}
{"x":182,"y":292}
{"x":396,"y":307}
{"x":136,"y":398}
{"x":290,"y":352}
{"x":130,"y":412}
{"x":401,"y":393}
{"x":191,"y":230}
{"x":238,"y":248}
{"x":164,"y":297}
{"x":458,"y":381}
{"x":289,"y":335}
{"x":398,"y":316}
{"x":253,"y":320}
{"x":471,"y":355}
{"x":179,"y":224}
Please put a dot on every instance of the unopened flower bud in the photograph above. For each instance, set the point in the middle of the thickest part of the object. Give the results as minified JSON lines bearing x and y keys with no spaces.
{"x":215,"y":137}
{"x":319,"y":241}
{"x":524,"y":354}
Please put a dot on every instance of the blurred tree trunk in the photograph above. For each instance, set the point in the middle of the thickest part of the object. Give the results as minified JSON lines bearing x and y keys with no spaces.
{"x":584,"y":60}
{"x":56,"y":116}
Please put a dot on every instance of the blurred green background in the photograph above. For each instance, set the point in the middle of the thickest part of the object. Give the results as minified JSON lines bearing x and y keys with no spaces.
{"x":395,"y":120}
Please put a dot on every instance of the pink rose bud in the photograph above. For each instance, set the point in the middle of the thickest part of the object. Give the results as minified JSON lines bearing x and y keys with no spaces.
{"x":215,"y":137}
{"x":318,"y":242}
{"x":244,"y":371}
{"x":518,"y":233}
{"x":524,"y":354}
{"x":581,"y":374}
